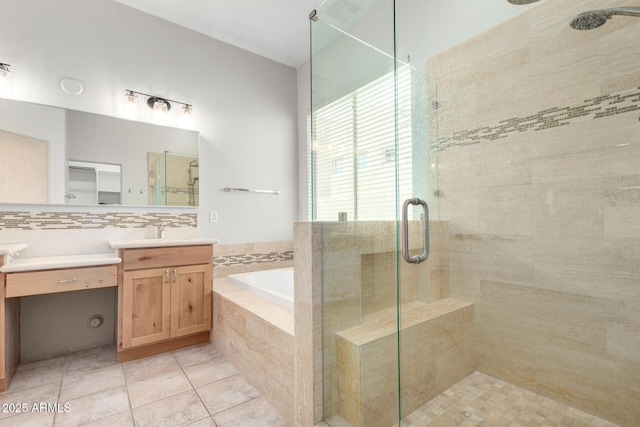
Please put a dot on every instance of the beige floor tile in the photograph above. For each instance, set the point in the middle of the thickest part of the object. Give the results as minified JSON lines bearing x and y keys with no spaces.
{"x":51,"y":363}
{"x":176,"y":410}
{"x":91,"y":360}
{"x":47,"y":393}
{"x":31,"y":419}
{"x":122,"y":419}
{"x":74,"y":386}
{"x":38,"y":373}
{"x":149,"y":367}
{"x":254,"y":413}
{"x":226,"y":393}
{"x":168,"y":383}
{"x":197,"y":354}
{"x":208,"y":372}
{"x":93,"y":407}
{"x":205,"y":422}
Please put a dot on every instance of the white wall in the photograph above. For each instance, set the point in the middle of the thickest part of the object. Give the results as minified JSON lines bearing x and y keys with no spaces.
{"x":244,"y":104}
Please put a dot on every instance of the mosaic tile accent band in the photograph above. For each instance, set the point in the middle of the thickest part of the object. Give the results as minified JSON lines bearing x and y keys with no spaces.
{"x":88,"y":220}
{"x":256,"y":258}
{"x":595,"y":108}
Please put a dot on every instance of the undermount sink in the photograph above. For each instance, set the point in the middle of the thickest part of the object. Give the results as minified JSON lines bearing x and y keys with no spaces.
{"x":156,"y":243}
{"x":11,"y":248}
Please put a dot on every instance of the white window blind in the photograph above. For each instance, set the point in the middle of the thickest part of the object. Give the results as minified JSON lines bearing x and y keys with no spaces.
{"x":354,"y":151}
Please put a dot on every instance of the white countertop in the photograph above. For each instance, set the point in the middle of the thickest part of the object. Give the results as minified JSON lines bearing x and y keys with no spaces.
{"x":54,"y":262}
{"x":9,"y":248}
{"x":157,"y":243}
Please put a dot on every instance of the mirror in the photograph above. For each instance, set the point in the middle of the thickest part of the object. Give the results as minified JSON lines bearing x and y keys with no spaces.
{"x":95,"y":159}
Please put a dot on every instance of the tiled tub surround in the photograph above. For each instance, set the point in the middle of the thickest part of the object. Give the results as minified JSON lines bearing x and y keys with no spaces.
{"x":295,"y":353}
{"x":257,"y":337}
{"x":545,"y":224}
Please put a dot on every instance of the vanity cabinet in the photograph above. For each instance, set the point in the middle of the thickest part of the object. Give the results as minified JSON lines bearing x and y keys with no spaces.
{"x":165,"y":299}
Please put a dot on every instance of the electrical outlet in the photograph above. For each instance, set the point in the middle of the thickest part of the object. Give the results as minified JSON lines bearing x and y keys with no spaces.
{"x":213,"y":216}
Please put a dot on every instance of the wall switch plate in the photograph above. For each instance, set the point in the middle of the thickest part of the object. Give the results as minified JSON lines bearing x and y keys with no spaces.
{"x":213,"y":216}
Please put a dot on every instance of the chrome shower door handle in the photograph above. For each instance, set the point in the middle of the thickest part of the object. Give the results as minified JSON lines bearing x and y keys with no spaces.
{"x":416,"y":259}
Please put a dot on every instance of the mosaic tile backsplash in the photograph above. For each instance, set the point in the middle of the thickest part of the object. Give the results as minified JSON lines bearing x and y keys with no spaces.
{"x":88,"y":220}
{"x":595,"y":108}
{"x":254,"y":258}
{"x":244,"y":257}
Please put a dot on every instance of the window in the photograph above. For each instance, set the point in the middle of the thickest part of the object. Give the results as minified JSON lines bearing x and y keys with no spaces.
{"x":354,"y":157}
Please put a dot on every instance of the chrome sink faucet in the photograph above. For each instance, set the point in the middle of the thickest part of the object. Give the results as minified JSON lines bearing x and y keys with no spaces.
{"x":160,"y":229}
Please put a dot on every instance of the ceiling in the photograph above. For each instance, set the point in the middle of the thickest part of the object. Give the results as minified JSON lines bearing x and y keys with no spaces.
{"x":276,"y":29}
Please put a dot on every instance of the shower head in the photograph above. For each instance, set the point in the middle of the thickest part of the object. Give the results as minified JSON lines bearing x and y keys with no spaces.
{"x":590,"y":20}
{"x":596,"y":18}
{"x":521,"y":2}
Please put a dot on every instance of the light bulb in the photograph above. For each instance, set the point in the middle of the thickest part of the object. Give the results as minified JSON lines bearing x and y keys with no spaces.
{"x":160,"y":106}
{"x":130,"y":104}
{"x":6,"y":86}
{"x":187,"y":115}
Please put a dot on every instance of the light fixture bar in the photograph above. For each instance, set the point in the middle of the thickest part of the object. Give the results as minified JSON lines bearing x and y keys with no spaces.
{"x":155,"y":98}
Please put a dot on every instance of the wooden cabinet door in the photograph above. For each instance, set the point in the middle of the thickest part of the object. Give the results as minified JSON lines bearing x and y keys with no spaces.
{"x":191,"y":299}
{"x":146,"y":311}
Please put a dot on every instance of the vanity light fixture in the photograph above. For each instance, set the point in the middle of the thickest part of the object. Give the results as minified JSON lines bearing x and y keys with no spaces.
{"x":4,"y":70}
{"x":5,"y":79}
{"x":157,"y":104}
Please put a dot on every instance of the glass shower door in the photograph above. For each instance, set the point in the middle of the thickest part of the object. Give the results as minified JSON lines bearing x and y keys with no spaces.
{"x":368,"y":154}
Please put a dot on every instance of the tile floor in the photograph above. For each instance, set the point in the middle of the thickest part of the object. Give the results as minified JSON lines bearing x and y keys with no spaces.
{"x":193,"y":386}
{"x":481,"y":400}
{"x":198,"y":387}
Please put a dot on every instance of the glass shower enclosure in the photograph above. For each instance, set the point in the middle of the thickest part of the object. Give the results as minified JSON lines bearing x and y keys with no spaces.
{"x":519,"y":132}
{"x":173,"y":179}
{"x":371,"y":185}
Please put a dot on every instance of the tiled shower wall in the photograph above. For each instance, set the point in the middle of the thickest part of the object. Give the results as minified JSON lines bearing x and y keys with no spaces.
{"x":536,"y":136}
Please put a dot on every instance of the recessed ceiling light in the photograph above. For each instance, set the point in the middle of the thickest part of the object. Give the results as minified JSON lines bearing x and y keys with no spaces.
{"x":71,"y":86}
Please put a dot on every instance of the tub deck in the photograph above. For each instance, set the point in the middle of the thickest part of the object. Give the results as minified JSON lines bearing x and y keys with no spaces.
{"x":270,"y":311}
{"x":257,"y":336}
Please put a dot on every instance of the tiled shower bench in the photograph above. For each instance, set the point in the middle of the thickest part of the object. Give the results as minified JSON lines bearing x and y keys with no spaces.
{"x":439,"y":352}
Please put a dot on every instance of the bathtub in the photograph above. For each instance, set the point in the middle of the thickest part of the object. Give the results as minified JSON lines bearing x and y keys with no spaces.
{"x":275,"y":285}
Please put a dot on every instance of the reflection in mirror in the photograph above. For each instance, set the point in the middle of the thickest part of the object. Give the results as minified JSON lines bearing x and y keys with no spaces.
{"x":173,"y":179}
{"x":93,"y":183}
{"x":24,"y":165}
{"x":92,"y":139}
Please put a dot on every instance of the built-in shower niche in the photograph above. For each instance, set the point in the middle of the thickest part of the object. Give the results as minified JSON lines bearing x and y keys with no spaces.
{"x":173,"y":179}
{"x":360,"y":320}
